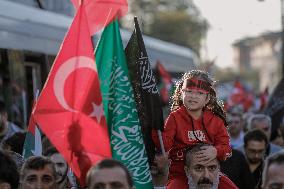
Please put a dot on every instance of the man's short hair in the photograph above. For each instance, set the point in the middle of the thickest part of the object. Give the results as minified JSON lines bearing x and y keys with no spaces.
{"x":256,"y":135}
{"x":106,"y":164}
{"x":256,"y":118}
{"x":191,"y":150}
{"x":15,"y":142}
{"x":8,"y":170}
{"x":276,"y":158}
{"x":37,"y":163}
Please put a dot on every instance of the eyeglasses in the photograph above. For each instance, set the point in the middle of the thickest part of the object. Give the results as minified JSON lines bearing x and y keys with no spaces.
{"x":252,"y":151}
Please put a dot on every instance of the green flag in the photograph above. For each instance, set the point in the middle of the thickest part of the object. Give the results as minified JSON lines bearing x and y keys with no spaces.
{"x":120,"y":108}
{"x":33,"y":143}
{"x":29,"y":145}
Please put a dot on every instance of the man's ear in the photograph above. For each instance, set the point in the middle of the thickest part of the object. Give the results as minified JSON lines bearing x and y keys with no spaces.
{"x":5,"y":185}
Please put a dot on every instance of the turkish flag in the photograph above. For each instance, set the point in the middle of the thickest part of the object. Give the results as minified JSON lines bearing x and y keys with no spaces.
{"x":69,"y":109}
{"x":101,"y":12}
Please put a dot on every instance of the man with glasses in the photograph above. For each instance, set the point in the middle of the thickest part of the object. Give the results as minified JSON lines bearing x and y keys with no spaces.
{"x":255,"y":143}
{"x":262,"y":122}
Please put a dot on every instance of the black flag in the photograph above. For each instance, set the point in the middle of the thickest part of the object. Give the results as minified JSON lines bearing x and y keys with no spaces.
{"x":275,"y":107}
{"x":145,"y":89}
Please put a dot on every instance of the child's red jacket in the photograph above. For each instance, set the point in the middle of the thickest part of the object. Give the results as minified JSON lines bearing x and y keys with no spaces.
{"x":179,"y":133}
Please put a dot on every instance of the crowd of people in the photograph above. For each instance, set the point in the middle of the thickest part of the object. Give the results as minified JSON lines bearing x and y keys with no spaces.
{"x":205,"y":147}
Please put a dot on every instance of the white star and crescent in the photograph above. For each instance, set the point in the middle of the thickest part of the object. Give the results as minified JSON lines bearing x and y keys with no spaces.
{"x":64,"y":71}
{"x":98,"y":112}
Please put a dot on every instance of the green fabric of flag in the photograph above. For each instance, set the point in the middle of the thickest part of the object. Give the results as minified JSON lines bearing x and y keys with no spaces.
{"x":32,"y":145}
{"x":29,"y":145}
{"x":120,"y":108}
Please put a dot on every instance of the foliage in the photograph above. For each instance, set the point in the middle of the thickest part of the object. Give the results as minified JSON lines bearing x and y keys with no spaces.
{"x":176,"y":21}
{"x":178,"y":27}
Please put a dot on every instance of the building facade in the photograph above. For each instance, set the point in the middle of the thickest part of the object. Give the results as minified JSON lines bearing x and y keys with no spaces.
{"x":263,"y":54}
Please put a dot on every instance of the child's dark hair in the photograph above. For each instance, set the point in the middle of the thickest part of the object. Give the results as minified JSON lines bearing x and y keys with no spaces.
{"x":213,"y":105}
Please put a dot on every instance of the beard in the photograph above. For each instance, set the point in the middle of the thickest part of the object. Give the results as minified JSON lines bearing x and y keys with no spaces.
{"x":254,"y":160}
{"x":193,"y":185}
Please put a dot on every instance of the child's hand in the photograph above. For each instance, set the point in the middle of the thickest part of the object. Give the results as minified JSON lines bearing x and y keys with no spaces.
{"x":160,"y":165}
{"x":206,"y":154}
{"x":162,"y":161}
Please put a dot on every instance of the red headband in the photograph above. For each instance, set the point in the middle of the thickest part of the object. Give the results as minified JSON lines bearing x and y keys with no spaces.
{"x":198,"y":84}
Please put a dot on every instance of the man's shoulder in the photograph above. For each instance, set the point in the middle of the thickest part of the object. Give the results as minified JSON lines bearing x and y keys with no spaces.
{"x":274,"y":148}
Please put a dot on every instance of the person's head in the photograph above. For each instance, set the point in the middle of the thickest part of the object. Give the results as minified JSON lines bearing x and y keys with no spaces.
{"x":38,"y":172}
{"x":3,"y":118}
{"x":195,"y":91}
{"x":17,"y":158}
{"x":61,"y":166}
{"x":15,"y":143}
{"x":9,"y":176}
{"x":234,"y":120}
{"x":255,"y":144}
{"x":109,"y":173}
{"x":279,"y":135}
{"x":273,"y":174}
{"x":260,"y":121}
{"x":201,"y":175}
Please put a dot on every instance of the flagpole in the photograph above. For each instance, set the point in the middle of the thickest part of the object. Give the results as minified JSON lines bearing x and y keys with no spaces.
{"x":161,"y":142}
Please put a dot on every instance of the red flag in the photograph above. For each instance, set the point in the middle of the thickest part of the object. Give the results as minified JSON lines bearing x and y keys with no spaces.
{"x":240,"y":96}
{"x":263,"y":99}
{"x":69,"y":110}
{"x":32,"y":124}
{"x":237,"y":95}
{"x":165,"y":82}
{"x":166,"y":77}
{"x":101,"y":12}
